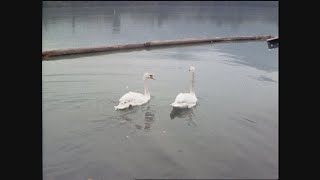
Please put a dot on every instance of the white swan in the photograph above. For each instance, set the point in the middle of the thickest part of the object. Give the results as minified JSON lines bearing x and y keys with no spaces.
{"x":133,"y":98}
{"x":188,"y":100}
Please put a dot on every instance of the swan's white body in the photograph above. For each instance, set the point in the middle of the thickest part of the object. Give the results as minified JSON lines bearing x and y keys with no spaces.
{"x":133,"y":98}
{"x":186,"y":100}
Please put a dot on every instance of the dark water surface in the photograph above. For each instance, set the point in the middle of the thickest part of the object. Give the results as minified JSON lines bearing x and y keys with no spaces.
{"x":231,"y":133}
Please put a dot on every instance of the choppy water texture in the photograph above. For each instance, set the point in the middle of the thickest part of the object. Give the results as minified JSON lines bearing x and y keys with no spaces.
{"x":231,"y":133}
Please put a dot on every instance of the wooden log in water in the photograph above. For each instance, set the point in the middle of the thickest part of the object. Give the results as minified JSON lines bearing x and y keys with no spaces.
{"x":113,"y":48}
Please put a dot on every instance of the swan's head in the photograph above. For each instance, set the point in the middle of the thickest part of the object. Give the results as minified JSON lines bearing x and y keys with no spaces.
{"x":148,"y":76}
{"x":192,"y":68}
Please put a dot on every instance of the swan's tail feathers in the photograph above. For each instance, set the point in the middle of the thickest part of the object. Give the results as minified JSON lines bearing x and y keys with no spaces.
{"x":179,"y":105}
{"x":122,"y":106}
{"x":116,"y":107}
{"x":182,"y":105}
{"x":191,"y":105}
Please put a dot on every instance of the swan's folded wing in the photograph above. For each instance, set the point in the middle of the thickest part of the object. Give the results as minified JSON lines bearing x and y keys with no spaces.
{"x":131,"y":96}
{"x":180,"y":98}
{"x":184,"y":100}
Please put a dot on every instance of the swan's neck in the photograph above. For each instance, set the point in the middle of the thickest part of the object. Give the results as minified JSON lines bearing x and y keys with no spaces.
{"x":192,"y":83}
{"x":146,"y":90}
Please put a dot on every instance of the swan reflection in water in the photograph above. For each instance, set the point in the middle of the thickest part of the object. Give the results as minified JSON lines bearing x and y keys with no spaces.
{"x":149,"y":117}
{"x":183,"y":113}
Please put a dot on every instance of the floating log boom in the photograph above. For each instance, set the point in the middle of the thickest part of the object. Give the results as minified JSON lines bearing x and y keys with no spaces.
{"x":150,"y":44}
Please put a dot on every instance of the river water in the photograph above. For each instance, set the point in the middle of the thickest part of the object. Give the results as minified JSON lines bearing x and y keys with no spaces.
{"x":231,"y":133}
